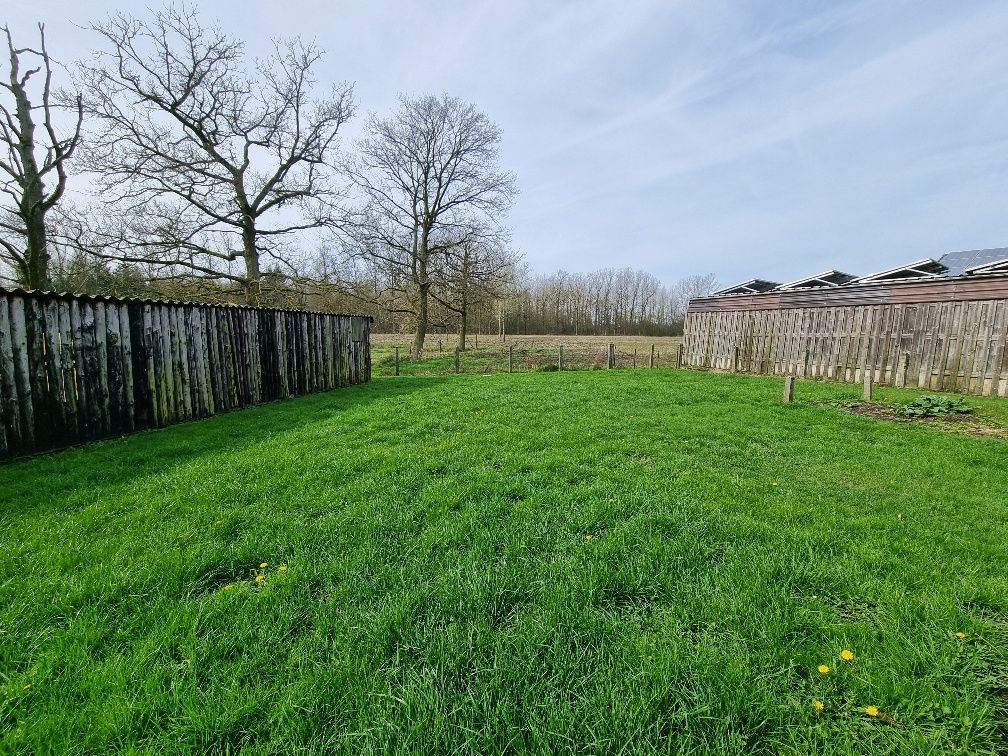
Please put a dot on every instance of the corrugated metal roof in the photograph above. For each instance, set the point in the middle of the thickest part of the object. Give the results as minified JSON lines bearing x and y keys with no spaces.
{"x":174,"y":303}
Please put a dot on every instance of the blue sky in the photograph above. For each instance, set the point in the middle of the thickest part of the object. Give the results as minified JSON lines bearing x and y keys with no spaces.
{"x":770,"y":139}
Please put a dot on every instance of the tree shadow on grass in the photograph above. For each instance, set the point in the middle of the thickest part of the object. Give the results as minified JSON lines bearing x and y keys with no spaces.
{"x":48,"y":479}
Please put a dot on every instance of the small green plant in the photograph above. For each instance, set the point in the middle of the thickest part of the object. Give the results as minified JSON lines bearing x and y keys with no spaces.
{"x":931,"y":405}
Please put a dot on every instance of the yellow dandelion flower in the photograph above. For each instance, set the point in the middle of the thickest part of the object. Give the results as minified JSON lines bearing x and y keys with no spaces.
{"x":960,"y":635}
{"x":818,"y":705}
{"x":775,"y":483}
{"x":259,"y":578}
{"x":871,"y":711}
{"x":847,"y":655}
{"x":26,"y":686}
{"x":282,"y":568}
{"x":823,"y":669}
{"x":588,"y":537}
{"x":219,"y":522}
{"x":264,"y":565}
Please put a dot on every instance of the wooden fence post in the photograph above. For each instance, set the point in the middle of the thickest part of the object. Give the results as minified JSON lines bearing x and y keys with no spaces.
{"x":788,"y":389}
{"x":510,"y":357}
{"x":458,"y":361}
{"x":904,"y":369}
{"x":868,"y":385}
{"x":397,"y":360}
{"x":679,"y":356}
{"x":651,"y":362}
{"x":440,"y":350}
{"x":735,"y":359}
{"x":635,"y":358}
{"x":612,"y":356}
{"x":560,"y":359}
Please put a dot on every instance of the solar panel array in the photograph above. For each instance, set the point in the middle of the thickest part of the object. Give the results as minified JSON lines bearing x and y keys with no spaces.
{"x":957,"y":262}
{"x":949,"y":265}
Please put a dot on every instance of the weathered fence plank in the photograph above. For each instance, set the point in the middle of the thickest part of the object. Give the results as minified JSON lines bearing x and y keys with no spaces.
{"x":80,"y":368}
{"x":948,"y":345}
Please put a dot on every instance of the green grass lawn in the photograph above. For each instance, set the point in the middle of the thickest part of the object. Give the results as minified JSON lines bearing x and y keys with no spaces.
{"x":592,"y":562}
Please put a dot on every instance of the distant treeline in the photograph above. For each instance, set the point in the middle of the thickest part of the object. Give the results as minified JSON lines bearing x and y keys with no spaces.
{"x":608,"y":301}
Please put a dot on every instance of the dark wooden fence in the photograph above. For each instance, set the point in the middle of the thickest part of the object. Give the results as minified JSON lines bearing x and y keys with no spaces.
{"x":77,"y":368}
{"x":946,"y":335}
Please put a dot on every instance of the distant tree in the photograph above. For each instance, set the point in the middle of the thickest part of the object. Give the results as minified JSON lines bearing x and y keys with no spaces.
{"x":691,"y":287}
{"x":431,"y":182}
{"x":33,"y":169}
{"x":207,"y":165}
{"x":474,"y":272}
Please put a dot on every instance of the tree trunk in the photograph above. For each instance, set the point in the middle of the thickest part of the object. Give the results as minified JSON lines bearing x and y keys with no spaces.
{"x":421,"y":326}
{"x":37,"y":257}
{"x":253,"y":277}
{"x":31,"y":205}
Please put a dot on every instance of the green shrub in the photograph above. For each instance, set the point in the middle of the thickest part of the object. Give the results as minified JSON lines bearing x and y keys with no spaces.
{"x":931,"y":405}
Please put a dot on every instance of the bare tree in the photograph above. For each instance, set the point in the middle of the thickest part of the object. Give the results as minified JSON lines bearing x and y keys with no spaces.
{"x":33,"y":171}
{"x":211,"y":166}
{"x":691,"y":287}
{"x":429,"y":176}
{"x":473,"y":272}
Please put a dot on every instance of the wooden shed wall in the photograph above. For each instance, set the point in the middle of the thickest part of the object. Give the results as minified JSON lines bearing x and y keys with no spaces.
{"x":74,"y":369}
{"x":919,"y":335}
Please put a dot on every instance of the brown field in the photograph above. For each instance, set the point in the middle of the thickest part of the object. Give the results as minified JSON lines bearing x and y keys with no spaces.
{"x":541,"y":341}
{"x":529,"y":352}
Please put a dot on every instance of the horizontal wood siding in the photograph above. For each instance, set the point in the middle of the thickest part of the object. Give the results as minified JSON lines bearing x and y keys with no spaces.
{"x":75,"y":369}
{"x":942,"y":345}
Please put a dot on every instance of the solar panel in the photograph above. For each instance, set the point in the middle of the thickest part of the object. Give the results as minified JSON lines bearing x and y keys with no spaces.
{"x":957,"y":262}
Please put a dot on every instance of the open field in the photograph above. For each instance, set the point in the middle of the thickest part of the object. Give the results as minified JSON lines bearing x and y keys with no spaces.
{"x":586,"y":562}
{"x":488,"y":354}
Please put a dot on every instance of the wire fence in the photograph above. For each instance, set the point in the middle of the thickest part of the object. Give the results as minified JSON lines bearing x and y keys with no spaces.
{"x":392,"y":360}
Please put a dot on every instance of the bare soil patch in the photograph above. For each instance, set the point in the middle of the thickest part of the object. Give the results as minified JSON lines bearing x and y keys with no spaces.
{"x":955,"y":422}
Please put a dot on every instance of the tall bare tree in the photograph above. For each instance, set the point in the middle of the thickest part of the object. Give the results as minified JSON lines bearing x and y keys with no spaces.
{"x":212,"y":165}
{"x":430,"y":177}
{"x":33,"y":168}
